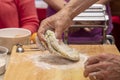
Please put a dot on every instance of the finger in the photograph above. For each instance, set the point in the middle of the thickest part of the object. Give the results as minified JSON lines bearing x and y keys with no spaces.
{"x":96,"y":59}
{"x":39,"y":44}
{"x":44,"y":26}
{"x":41,"y":33}
{"x":91,"y":68}
{"x":92,"y":60}
{"x":101,"y":66}
{"x":58,"y":33}
{"x":87,"y":29}
{"x":96,"y":76}
{"x":104,"y":57}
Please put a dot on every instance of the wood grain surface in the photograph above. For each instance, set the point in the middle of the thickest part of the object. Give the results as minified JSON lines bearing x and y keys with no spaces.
{"x":41,"y":65}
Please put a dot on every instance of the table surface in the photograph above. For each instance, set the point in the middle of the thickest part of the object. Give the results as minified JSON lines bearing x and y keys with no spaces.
{"x":86,"y":49}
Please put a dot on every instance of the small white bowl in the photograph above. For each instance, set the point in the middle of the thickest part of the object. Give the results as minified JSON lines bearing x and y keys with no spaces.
{"x":3,"y":56}
{"x":12,"y":36}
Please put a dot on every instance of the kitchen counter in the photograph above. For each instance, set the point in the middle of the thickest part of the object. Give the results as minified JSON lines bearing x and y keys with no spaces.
{"x":26,"y":66}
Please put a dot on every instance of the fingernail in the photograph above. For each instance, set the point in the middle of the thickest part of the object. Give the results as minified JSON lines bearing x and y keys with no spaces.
{"x":93,"y":74}
{"x":85,"y":74}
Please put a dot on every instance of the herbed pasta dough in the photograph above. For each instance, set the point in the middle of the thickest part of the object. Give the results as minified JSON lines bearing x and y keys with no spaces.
{"x":56,"y":47}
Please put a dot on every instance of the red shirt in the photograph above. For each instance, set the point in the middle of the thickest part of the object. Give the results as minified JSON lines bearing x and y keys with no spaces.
{"x":18,"y":14}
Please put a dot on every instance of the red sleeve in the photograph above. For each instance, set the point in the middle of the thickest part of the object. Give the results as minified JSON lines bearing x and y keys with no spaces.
{"x":116,"y":19}
{"x":28,"y":15}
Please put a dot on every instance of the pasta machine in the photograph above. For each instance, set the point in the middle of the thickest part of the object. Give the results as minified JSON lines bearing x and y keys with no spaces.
{"x":95,"y":14}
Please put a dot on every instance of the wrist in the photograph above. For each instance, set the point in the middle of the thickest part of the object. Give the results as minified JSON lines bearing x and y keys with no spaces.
{"x":67,"y":11}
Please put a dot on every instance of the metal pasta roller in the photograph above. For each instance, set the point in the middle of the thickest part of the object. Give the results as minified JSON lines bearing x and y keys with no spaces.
{"x":93,"y":17}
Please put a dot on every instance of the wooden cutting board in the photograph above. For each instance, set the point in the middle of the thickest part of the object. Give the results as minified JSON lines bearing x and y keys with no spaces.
{"x":38,"y":65}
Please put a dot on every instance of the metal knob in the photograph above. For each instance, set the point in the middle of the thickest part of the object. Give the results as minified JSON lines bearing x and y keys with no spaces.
{"x":20,"y":48}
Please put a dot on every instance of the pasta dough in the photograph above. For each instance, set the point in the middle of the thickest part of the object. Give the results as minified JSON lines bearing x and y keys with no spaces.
{"x":56,"y":47}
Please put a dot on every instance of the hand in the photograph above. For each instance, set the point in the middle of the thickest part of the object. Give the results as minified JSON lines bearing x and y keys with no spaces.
{"x":86,"y":23}
{"x":88,"y":29}
{"x":58,"y":22}
{"x":103,"y":67}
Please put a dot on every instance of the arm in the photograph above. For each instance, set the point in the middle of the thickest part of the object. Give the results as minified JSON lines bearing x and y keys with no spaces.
{"x":56,"y":4}
{"x":63,"y":19}
{"x":27,"y":15}
{"x":102,"y":1}
{"x":74,"y":7}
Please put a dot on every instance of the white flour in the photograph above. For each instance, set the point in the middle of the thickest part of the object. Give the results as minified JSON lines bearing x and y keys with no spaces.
{"x":48,"y":61}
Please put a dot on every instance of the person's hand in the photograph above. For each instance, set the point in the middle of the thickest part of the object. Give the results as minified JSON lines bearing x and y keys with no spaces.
{"x":58,"y":22}
{"x":88,"y":29}
{"x":103,"y":67}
